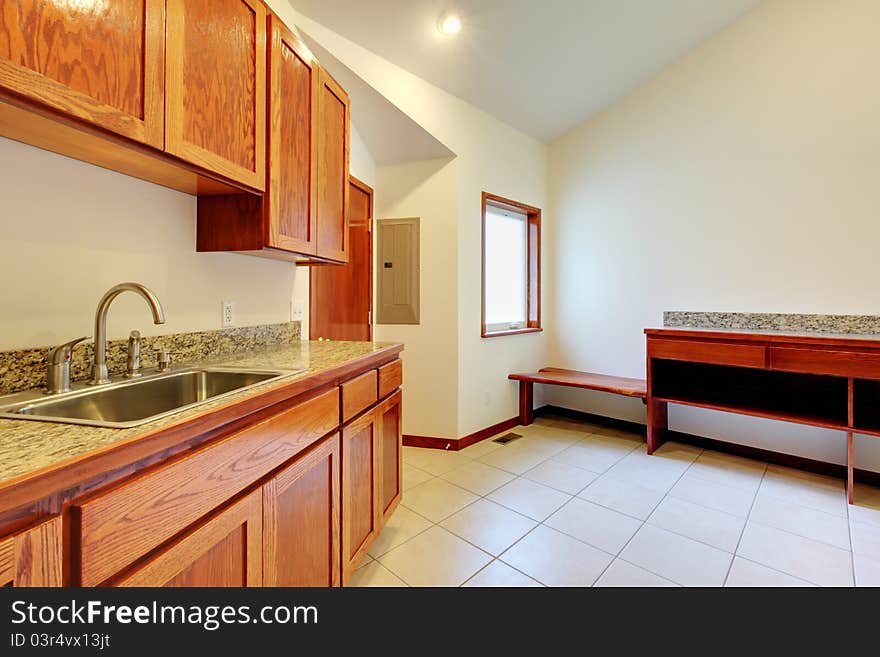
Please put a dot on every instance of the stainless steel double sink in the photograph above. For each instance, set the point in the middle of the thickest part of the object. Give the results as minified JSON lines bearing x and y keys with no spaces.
{"x":131,"y":402}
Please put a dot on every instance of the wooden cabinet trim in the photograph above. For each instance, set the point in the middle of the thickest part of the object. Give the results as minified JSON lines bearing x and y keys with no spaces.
{"x":175,"y":110}
{"x":118,"y":526}
{"x":390,"y":378}
{"x":173,"y":560}
{"x":359,"y":393}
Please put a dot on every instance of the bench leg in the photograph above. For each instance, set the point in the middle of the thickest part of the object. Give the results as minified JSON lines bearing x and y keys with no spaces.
{"x":658,"y":423}
{"x":526,"y":402}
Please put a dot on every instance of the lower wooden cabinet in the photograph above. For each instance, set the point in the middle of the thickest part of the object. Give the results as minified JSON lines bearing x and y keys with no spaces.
{"x":371,"y":478}
{"x":224,"y":550}
{"x":390,"y":469}
{"x":32,"y":557}
{"x":301,"y":520}
{"x":359,"y":490}
{"x":289,"y":500}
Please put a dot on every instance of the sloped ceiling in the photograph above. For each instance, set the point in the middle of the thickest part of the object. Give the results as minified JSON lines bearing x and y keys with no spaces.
{"x":543,"y":66}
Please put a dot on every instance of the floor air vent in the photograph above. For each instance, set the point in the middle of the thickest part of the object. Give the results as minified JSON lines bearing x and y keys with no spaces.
{"x":507,"y":438}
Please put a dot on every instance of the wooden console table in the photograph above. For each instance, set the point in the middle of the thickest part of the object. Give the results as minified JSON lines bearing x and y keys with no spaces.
{"x":822,"y":380}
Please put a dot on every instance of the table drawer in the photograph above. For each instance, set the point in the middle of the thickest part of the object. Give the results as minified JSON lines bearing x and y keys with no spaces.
{"x":825,"y":361}
{"x":390,"y":378}
{"x":116,"y":528}
{"x":718,"y":353}
{"x":359,"y":393}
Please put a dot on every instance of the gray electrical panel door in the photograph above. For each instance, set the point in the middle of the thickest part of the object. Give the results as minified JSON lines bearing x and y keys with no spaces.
{"x":398,"y":271}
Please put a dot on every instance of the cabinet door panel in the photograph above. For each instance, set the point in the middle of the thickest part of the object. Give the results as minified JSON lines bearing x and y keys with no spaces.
{"x":32,"y":557}
{"x":359,"y":488}
{"x":225,"y":550}
{"x":301,"y":521}
{"x":216,"y":86}
{"x":390,"y":463}
{"x":99,"y":62}
{"x":293,"y":147}
{"x":333,"y":155}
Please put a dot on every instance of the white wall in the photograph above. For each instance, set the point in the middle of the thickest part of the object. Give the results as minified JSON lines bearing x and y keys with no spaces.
{"x":746,"y":177}
{"x":493,"y":157}
{"x":428,"y":190}
{"x":71,"y":230}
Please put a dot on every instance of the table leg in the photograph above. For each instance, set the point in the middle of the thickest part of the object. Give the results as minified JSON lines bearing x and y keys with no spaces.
{"x":849,"y":467}
{"x":526,"y":403}
{"x":658,"y":424}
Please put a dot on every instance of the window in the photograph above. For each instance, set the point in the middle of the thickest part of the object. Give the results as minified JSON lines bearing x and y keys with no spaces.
{"x":511,"y":267}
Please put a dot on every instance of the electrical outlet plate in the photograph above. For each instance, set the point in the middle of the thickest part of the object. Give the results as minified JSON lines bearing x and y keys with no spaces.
{"x":228,"y":318}
{"x":297,"y":309}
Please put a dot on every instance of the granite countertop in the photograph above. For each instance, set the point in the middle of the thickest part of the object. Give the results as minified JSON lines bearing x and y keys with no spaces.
{"x":27,"y":446}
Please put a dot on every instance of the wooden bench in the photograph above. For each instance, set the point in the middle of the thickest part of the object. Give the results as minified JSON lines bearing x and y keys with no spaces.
{"x":617,"y":385}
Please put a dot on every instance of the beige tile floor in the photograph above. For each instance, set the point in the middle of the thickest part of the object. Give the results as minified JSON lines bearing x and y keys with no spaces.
{"x":573,"y":504}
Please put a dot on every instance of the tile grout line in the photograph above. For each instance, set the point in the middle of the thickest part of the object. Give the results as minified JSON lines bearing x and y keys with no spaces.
{"x":745,"y":526}
{"x":645,"y":522}
{"x":852,"y":548}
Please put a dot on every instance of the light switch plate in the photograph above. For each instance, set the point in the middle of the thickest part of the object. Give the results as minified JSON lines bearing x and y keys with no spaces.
{"x":228,"y":318}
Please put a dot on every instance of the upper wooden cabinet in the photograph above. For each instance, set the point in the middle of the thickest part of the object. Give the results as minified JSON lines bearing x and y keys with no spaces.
{"x":294,"y":81}
{"x":96,"y":62}
{"x":32,"y":557}
{"x":303,"y":215}
{"x":215,"y":76}
{"x":333,"y":155}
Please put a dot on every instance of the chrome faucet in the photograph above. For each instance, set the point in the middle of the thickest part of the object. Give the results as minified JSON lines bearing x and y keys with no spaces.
{"x":99,"y":368}
{"x":58,"y":367}
{"x":133,"y":366}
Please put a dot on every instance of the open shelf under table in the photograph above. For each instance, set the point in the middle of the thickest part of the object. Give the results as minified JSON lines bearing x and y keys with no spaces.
{"x":813,"y":399}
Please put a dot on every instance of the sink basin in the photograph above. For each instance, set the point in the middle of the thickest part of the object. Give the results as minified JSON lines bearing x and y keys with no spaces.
{"x":129,"y":403}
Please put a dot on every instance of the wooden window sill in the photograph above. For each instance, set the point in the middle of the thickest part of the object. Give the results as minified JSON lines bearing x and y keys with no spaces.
{"x":496,"y":334}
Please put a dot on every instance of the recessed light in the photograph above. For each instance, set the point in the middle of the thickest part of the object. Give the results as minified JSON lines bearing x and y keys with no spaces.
{"x":449,"y":24}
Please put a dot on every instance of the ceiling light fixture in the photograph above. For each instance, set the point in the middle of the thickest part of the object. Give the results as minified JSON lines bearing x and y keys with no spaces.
{"x":449,"y":24}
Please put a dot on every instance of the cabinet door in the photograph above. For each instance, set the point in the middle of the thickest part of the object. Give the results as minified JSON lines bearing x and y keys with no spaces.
{"x":32,"y":557}
{"x":215,"y":77}
{"x":97,"y":62}
{"x":301,"y":521}
{"x":333,"y":153}
{"x":389,"y":471}
{"x":359,"y":489}
{"x":224,"y":550}
{"x":293,"y":143}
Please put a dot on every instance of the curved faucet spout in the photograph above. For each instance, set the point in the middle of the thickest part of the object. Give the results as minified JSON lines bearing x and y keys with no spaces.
{"x":99,"y":368}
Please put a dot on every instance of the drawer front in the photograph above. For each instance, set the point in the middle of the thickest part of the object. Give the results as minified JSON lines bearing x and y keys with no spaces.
{"x":358,"y":394}
{"x":823,"y":361}
{"x":390,"y":378}
{"x":122,"y":525}
{"x":717,"y":353}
